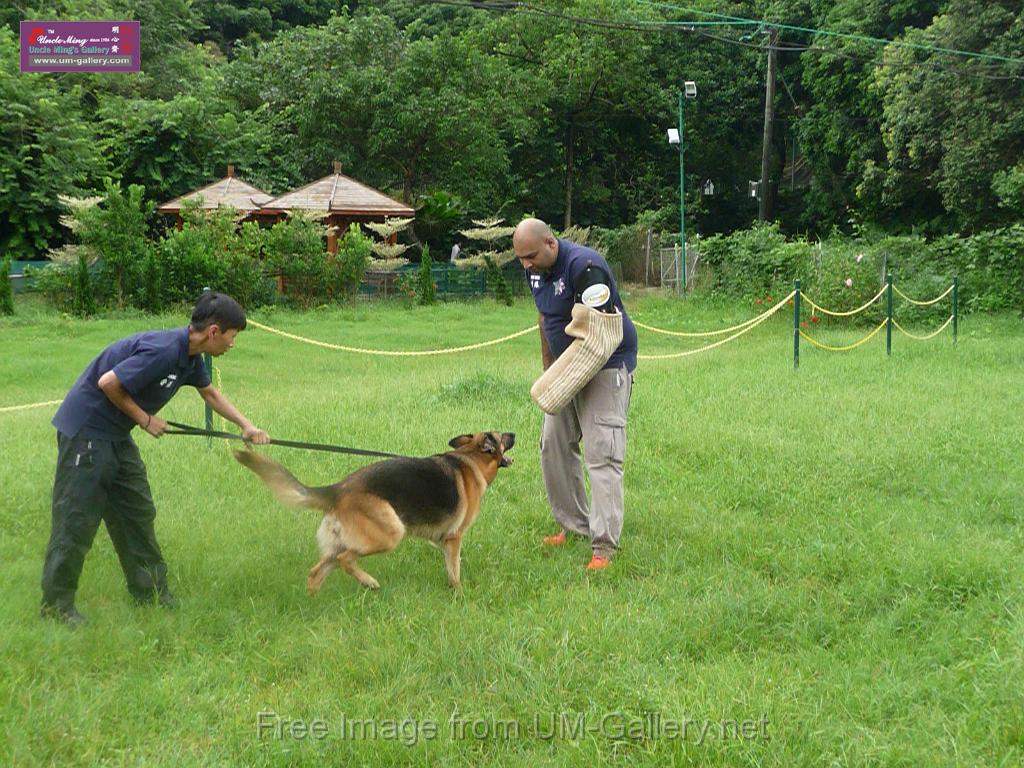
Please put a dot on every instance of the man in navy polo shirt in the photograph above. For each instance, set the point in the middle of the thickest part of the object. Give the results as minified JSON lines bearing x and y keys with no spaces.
{"x":561,"y":274}
{"x":100,"y":474}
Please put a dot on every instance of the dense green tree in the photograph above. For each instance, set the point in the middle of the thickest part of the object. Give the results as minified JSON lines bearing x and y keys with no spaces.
{"x":398,"y":115}
{"x":228,"y":21}
{"x":557,"y":107}
{"x":840,"y":110}
{"x":47,"y":149}
{"x":951,"y":125}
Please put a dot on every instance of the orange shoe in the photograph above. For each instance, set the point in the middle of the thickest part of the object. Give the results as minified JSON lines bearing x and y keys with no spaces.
{"x":555,"y":541}
{"x":597,"y":563}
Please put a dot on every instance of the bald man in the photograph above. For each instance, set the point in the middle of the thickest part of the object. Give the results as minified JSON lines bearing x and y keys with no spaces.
{"x":561,"y":274}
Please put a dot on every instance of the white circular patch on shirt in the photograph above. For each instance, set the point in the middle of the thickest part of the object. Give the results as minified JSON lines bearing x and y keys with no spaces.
{"x":597,"y":295}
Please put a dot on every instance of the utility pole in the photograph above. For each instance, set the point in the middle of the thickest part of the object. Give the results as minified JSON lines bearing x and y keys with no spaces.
{"x":764,"y":191}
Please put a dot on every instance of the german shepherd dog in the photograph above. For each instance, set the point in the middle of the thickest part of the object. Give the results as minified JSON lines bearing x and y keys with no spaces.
{"x":371,"y":510}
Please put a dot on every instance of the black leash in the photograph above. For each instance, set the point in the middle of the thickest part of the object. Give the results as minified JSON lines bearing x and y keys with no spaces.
{"x":185,"y":429}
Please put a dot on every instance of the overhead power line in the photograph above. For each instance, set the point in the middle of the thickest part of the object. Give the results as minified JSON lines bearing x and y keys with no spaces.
{"x":704,"y":28}
{"x":842,"y":35}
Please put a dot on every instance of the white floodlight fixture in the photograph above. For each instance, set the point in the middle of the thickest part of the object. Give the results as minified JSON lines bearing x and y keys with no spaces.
{"x":690,"y":89}
{"x":673,"y":135}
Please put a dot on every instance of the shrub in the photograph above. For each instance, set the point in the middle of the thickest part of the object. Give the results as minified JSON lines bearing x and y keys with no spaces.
{"x":841,"y":275}
{"x":209,"y":251}
{"x":152,"y":283}
{"x":295,"y":250}
{"x":497,"y":283}
{"x":760,"y":262}
{"x":425,"y":290}
{"x":115,"y":231}
{"x":85,"y":298}
{"x":56,"y":282}
{"x":991,"y":268}
{"x":354,"y":253}
{"x":755,"y":262}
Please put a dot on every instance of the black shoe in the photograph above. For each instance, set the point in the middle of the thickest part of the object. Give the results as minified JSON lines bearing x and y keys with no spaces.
{"x":67,"y":615}
{"x":163,"y":598}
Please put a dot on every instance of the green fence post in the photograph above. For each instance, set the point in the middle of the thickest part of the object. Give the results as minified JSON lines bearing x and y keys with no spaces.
{"x":888,"y":321}
{"x":208,"y":362}
{"x":796,"y":326}
{"x":956,"y":290}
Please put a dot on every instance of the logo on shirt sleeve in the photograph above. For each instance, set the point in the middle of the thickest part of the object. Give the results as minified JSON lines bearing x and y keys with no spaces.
{"x":596,"y":295}
{"x":168,"y":381}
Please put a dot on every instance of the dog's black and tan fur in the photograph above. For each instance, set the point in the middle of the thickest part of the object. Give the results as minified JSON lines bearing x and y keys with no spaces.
{"x":371,"y":510}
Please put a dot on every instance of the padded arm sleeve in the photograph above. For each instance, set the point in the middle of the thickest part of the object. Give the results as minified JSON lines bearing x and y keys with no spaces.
{"x":596,"y":336}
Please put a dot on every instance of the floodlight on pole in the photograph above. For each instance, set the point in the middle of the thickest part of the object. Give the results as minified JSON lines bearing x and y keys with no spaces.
{"x":690,"y":92}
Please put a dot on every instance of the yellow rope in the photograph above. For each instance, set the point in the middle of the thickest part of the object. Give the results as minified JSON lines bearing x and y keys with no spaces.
{"x":924,"y":303}
{"x":704,"y":334}
{"x":868,"y":303}
{"x":531,"y":329}
{"x":923,"y":338}
{"x":750,"y":327}
{"x":222,"y":423}
{"x":848,"y":347}
{"x":11,"y":408}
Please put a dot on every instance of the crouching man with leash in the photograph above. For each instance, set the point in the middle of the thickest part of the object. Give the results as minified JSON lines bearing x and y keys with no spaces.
{"x":588,"y":346}
{"x":100,"y":474}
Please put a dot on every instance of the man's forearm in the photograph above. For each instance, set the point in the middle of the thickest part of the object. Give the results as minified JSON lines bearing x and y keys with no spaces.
{"x":119,"y":396}
{"x":227,"y":409}
{"x":545,"y":351}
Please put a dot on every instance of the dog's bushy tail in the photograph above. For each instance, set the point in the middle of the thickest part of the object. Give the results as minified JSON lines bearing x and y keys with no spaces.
{"x":285,"y":487}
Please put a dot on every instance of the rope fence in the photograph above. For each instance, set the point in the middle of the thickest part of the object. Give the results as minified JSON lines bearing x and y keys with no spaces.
{"x":796,"y":298}
{"x":748,"y":326}
{"x":846,"y":348}
{"x":13,"y":408}
{"x":887,"y":291}
{"x":392,"y":353}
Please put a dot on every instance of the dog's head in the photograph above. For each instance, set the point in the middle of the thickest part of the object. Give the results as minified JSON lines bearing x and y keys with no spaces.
{"x":493,"y":443}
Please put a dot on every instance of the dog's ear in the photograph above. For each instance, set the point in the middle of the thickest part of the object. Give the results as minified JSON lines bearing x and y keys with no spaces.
{"x":490,"y":444}
{"x":508,"y":439}
{"x":461,"y":440}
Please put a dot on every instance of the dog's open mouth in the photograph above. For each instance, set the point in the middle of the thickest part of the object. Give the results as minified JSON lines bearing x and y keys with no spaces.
{"x":505,"y":462}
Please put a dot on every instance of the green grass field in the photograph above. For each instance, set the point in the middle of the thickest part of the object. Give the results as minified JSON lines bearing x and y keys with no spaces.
{"x":819,"y":567}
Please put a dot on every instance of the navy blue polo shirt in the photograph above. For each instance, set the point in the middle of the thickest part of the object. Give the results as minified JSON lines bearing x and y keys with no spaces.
{"x":555,"y":293}
{"x":151,"y":366}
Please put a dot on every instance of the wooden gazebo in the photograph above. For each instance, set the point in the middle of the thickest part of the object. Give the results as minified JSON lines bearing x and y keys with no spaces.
{"x":340,"y":200}
{"x":229,"y":192}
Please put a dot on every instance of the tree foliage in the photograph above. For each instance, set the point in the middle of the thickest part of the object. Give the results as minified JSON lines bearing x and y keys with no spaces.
{"x":557,"y":108}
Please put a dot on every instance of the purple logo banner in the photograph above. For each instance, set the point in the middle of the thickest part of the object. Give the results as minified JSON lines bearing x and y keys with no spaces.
{"x":80,"y":46}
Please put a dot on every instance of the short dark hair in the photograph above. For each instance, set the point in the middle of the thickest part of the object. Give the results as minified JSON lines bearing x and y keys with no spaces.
{"x":217,"y":308}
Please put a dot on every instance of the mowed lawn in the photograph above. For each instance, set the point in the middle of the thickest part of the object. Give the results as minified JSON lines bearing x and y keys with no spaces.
{"x":819,"y":567}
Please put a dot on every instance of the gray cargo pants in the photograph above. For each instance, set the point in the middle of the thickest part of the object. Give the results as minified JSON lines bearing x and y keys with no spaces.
{"x":597,"y":415}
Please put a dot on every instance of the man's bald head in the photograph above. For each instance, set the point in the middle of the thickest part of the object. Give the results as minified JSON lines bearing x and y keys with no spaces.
{"x":535,"y":245}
